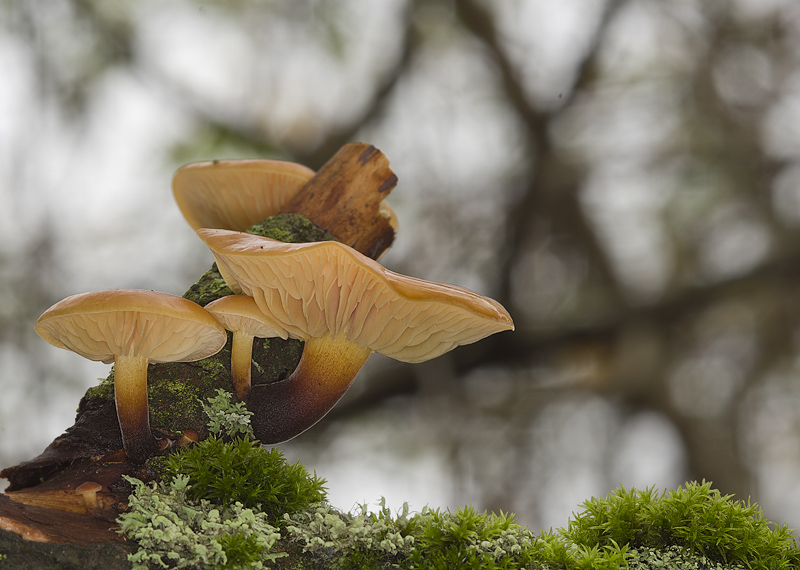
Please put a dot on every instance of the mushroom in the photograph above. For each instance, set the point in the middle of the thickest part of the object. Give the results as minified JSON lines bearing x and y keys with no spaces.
{"x":188,"y":437}
{"x":240,"y":315}
{"x":235,"y":194}
{"x":89,"y":491}
{"x":344,"y":305}
{"x":132,"y":328}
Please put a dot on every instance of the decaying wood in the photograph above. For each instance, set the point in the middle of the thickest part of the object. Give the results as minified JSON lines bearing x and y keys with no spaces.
{"x":41,"y":524}
{"x":346,"y":197}
{"x":53,"y":511}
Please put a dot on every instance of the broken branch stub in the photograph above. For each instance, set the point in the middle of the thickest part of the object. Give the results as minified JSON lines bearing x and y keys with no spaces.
{"x":346,"y":198}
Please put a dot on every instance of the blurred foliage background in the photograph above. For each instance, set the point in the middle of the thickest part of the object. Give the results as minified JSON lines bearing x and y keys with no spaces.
{"x":624,"y":176}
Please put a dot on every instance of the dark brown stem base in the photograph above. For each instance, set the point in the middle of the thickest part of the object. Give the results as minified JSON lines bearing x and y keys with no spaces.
{"x":283,"y":410}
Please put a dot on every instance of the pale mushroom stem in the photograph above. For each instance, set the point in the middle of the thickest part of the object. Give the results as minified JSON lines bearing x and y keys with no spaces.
{"x":130,"y":392}
{"x":282,"y":410}
{"x":241,"y":357}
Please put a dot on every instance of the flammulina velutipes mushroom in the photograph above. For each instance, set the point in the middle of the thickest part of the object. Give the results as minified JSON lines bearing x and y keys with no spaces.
{"x":132,"y":328}
{"x":344,"y":306}
{"x":240,"y":315}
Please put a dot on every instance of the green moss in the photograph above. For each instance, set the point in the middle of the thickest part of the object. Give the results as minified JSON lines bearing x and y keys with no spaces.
{"x":209,"y":287}
{"x":695,"y":518}
{"x":177,"y":404}
{"x":241,"y":471}
{"x":103,"y":390}
{"x":290,"y":228}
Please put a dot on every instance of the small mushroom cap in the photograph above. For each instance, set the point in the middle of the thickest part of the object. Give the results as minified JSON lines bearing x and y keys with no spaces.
{"x":100,"y":325}
{"x":240,"y":313}
{"x":310,"y":289}
{"x":88,"y":487}
{"x":235,"y":194}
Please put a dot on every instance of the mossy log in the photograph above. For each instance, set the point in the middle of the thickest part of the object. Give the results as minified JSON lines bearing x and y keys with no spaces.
{"x":346,"y":194}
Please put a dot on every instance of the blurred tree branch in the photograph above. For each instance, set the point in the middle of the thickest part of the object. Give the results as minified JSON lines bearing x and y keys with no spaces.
{"x":552,"y":187}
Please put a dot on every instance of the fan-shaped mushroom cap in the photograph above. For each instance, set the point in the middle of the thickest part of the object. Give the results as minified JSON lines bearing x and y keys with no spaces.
{"x":235,"y":194}
{"x":313,"y":289}
{"x":101,"y":325}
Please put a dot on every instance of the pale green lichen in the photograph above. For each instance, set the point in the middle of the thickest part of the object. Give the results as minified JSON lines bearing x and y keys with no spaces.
{"x":429,"y":539}
{"x":673,"y":558}
{"x":329,"y":529}
{"x":173,"y":531}
{"x":226,"y":417}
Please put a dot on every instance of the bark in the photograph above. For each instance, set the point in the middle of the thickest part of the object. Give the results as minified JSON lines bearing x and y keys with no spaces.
{"x":336,"y":200}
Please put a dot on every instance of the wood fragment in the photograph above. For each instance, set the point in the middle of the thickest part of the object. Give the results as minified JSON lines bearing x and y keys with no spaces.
{"x":41,"y":524}
{"x":347,"y":198}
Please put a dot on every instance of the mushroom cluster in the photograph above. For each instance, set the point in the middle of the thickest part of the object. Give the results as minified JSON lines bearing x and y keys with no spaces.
{"x":342,"y":304}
